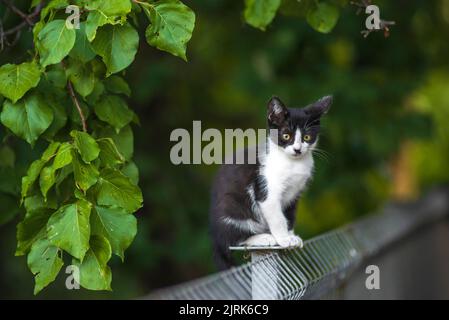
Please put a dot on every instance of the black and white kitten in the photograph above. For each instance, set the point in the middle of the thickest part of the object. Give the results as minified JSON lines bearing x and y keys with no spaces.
{"x":255,"y":204}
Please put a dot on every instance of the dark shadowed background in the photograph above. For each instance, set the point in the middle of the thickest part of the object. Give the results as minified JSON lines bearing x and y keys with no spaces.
{"x":386,"y":135}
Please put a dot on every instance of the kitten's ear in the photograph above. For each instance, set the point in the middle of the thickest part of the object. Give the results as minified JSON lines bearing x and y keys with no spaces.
{"x":320,"y":107}
{"x":277,"y":112}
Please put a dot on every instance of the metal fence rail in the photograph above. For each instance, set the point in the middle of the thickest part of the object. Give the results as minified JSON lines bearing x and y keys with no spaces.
{"x":321,"y":265}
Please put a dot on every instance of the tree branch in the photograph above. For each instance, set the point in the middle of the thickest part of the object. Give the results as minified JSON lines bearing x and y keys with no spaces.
{"x":77,"y":105}
{"x":383,"y":24}
{"x":16,"y":31}
{"x":17,"y":11}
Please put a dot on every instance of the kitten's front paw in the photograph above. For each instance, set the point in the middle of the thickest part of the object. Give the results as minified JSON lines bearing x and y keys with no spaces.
{"x":260,"y":240}
{"x":290,"y":241}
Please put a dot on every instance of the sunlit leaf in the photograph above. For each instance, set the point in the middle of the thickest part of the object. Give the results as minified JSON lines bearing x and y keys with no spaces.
{"x":171,"y":27}
{"x":16,"y":80}
{"x":55,"y":42}
{"x":69,"y":228}
{"x":260,"y":13}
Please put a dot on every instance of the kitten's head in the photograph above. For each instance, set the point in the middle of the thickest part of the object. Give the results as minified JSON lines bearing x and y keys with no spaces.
{"x":296,"y":129}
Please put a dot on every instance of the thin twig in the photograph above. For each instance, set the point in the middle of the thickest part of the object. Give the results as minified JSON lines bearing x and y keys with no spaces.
{"x":77,"y":105}
{"x":383,"y":24}
{"x":28,"y":21}
{"x":17,"y":11}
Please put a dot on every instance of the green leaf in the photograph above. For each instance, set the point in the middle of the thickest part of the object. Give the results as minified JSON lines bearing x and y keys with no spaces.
{"x":115,"y":189}
{"x":28,"y":118}
{"x":55,"y":42}
{"x":53,"y":5}
{"x":69,"y":228}
{"x":16,"y":80}
{"x":114,"y":110}
{"x":94,"y":271}
{"x":109,"y":155}
{"x":59,"y":117}
{"x":56,"y":75}
{"x":45,"y":263}
{"x":124,"y":140}
{"x":93,"y":98}
{"x":82,"y":50}
{"x":132,"y":172}
{"x":116,"y":225}
{"x":63,"y":156}
{"x":35,"y":168}
{"x":51,"y":151}
{"x":117,"y":45}
{"x":86,"y":145}
{"x":32,"y":228}
{"x":36,"y":29}
{"x":97,"y":19}
{"x":110,"y":7}
{"x":47,"y":177}
{"x":86,"y":175}
{"x":47,"y":180}
{"x":260,"y":13}
{"x":82,"y":77}
{"x":323,"y":17}
{"x":37,"y":202}
{"x":116,"y":84}
{"x":171,"y":26}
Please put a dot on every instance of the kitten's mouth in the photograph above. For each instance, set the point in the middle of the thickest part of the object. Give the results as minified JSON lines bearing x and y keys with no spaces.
{"x":297,"y":155}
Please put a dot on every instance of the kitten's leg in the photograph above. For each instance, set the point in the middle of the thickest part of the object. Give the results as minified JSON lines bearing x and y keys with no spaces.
{"x":290,"y":213}
{"x":262,"y":240}
{"x":277,"y":223}
{"x":292,"y":233}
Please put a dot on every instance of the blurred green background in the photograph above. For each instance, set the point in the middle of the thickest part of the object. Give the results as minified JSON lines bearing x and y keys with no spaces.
{"x":386,"y":136}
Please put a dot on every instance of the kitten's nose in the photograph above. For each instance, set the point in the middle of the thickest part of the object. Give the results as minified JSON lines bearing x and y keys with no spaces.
{"x":297,"y":151}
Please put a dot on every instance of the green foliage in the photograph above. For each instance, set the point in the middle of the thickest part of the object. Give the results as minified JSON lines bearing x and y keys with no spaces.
{"x":69,"y":228}
{"x":114,"y":110}
{"x":80,"y":195}
{"x":27,"y":118}
{"x":117,"y":45}
{"x":55,"y":41}
{"x":69,"y":101}
{"x":171,"y":26}
{"x":320,"y":15}
{"x":260,"y":13}
{"x":323,"y":17}
{"x":16,"y":80}
{"x":116,"y":225}
{"x":95,"y":273}
{"x":45,"y":262}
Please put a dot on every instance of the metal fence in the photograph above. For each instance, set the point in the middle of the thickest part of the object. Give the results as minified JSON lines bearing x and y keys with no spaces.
{"x":321,"y":266}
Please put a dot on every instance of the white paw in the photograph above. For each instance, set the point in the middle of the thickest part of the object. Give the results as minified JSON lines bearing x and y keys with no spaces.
{"x":290,"y":241}
{"x":260,"y":240}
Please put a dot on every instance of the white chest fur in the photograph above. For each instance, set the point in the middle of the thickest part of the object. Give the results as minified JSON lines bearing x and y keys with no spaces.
{"x":285,"y":175}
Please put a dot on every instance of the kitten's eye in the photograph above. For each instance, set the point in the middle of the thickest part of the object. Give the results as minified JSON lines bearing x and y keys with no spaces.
{"x":286,"y":136}
{"x":307,"y":137}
